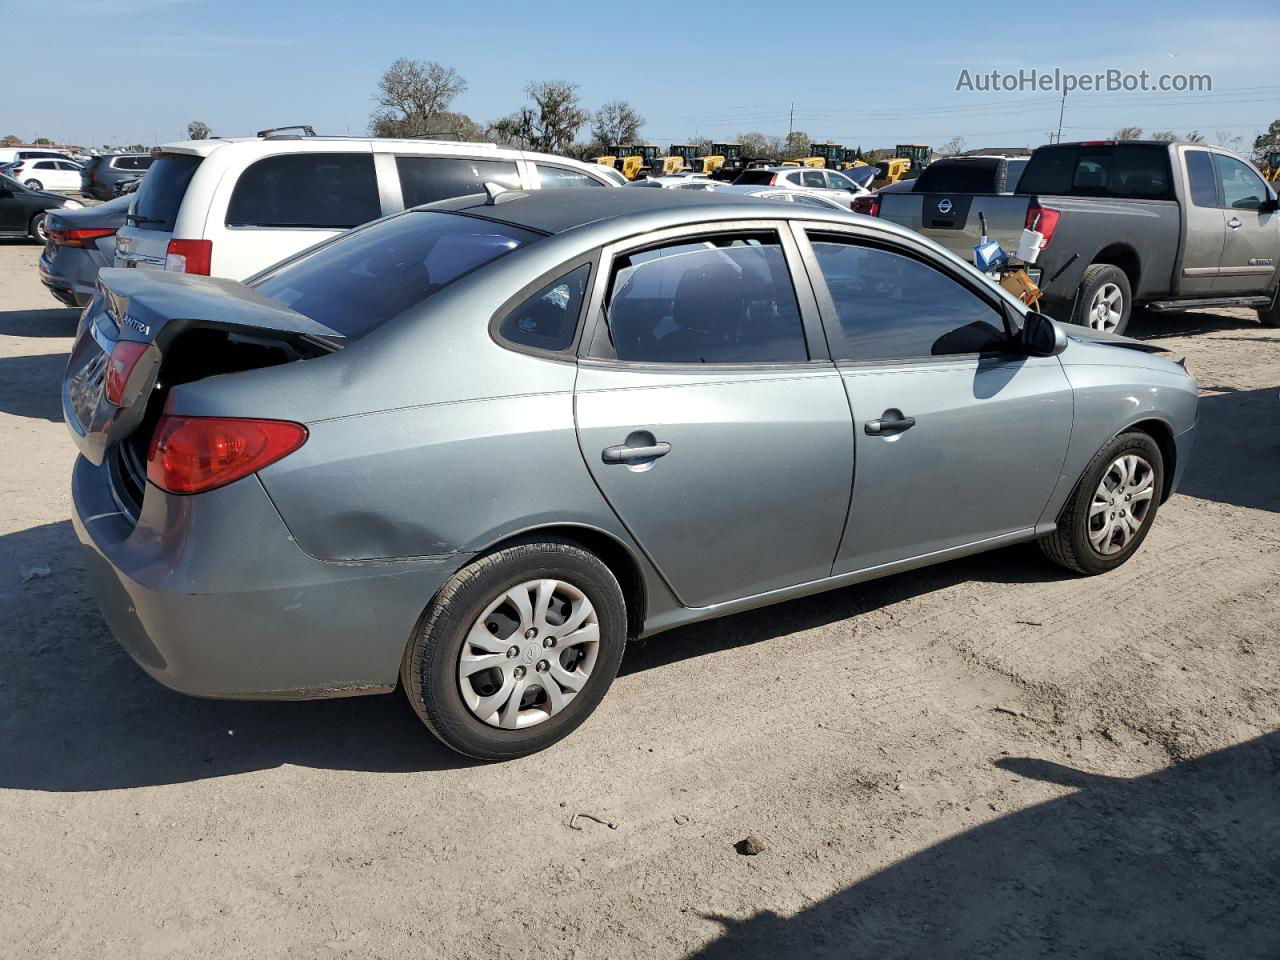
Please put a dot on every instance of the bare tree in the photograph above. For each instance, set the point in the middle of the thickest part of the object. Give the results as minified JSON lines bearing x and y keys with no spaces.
{"x":549,"y":124}
{"x":952,"y":148}
{"x":1195,"y":136}
{"x":198,"y":130}
{"x":413,"y":96}
{"x":615,"y":122}
{"x":1225,"y":138}
{"x":1127,"y":133}
{"x":796,"y":144}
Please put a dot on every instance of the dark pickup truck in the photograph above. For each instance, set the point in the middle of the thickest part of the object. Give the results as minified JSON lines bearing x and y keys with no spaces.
{"x":1166,"y":225}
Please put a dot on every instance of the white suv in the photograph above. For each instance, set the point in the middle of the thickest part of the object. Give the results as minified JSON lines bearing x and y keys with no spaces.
{"x":229,"y":208}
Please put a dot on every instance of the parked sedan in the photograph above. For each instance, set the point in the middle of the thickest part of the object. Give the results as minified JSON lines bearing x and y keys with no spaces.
{"x":475,"y":446}
{"x":100,"y":176}
{"x":23,"y":210}
{"x":80,"y":243}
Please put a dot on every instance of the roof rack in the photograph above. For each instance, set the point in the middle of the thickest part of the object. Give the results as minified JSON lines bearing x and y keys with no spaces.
{"x":304,"y":129}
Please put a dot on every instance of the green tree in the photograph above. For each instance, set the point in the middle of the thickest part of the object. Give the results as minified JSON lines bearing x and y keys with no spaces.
{"x":549,"y":124}
{"x":1127,"y":133}
{"x":10,"y":140}
{"x":198,"y":130}
{"x":1267,"y":143}
{"x":1164,"y":136}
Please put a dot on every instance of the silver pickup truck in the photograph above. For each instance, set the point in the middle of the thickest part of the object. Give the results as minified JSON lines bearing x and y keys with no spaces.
{"x":1168,"y":226}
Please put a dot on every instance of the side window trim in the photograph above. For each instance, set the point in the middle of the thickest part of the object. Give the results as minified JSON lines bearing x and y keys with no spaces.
{"x":810,"y":318}
{"x":518,"y":300}
{"x":858,"y":237}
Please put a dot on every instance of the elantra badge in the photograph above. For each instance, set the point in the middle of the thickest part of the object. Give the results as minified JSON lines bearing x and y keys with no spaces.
{"x":134,"y":324}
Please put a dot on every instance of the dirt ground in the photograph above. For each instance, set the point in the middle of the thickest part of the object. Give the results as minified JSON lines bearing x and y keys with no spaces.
{"x":985,"y":759}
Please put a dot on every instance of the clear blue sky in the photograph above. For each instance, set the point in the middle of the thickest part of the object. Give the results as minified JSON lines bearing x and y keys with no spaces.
{"x":97,"y":71}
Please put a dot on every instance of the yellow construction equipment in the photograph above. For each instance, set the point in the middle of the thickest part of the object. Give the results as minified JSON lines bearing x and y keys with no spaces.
{"x":806,"y":162}
{"x":635,"y":161}
{"x":1271,"y":168}
{"x":708,"y":165}
{"x":611,"y":162}
{"x":667,"y":166}
{"x":918,"y":153}
{"x":891,"y":171}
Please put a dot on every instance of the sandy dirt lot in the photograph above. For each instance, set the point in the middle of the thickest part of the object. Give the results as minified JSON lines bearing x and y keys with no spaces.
{"x":985,"y":759}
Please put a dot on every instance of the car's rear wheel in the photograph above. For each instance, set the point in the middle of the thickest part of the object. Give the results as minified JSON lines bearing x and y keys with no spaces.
{"x":37,"y":228}
{"x":1104,"y":300}
{"x":517,"y":649}
{"x":1112,"y":507}
{"x":33,"y":184}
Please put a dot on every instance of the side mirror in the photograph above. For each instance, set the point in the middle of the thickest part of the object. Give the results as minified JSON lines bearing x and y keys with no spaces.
{"x":1042,"y":337}
{"x":1270,"y":205}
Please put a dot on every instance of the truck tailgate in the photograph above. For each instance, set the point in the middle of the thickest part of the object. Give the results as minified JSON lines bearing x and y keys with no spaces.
{"x":951,"y":219}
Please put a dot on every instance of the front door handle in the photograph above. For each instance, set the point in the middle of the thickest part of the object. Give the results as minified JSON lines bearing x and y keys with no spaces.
{"x":1234,"y":223}
{"x":891,"y":421}
{"x":623,"y":453}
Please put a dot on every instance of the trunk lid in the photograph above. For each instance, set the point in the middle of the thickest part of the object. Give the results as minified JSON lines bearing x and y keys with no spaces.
{"x":149,"y":312}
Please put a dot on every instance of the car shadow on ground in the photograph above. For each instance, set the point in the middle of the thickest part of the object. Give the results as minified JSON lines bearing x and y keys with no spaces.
{"x":1145,"y":325}
{"x":51,"y":322}
{"x":1184,"y":862}
{"x":77,"y":714}
{"x":30,"y":385}
{"x":1235,"y":457}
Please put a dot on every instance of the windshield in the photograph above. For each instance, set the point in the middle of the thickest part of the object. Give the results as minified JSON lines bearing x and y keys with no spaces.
{"x":361,"y":280}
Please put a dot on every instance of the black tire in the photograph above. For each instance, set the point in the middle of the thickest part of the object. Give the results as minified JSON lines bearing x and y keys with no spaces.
{"x":36,"y":228}
{"x":429,"y":672}
{"x":1096,"y":277}
{"x":1069,"y":545}
{"x":33,"y":184}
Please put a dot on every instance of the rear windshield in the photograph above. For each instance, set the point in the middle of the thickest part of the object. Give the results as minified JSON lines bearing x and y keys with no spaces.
{"x":160,"y":196}
{"x":959,"y":176}
{"x":1133,"y":171}
{"x":755,"y":178}
{"x":363,"y":279}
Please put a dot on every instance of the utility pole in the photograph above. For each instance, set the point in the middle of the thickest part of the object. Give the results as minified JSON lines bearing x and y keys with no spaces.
{"x":791,"y":124}
{"x":1061,"y":110}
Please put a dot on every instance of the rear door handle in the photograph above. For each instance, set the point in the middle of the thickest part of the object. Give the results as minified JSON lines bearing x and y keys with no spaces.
{"x":889,"y":424}
{"x":625,"y":454}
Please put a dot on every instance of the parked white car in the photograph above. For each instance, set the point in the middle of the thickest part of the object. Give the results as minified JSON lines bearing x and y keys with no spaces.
{"x":42,"y":173}
{"x":831,"y":183}
{"x":229,"y":208}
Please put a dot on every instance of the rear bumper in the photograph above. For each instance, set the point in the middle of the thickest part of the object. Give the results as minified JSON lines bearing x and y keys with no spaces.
{"x":64,"y":289}
{"x":210,"y":595}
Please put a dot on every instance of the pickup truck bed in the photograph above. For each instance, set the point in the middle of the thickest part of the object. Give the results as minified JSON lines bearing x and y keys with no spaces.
{"x":1179,"y":222}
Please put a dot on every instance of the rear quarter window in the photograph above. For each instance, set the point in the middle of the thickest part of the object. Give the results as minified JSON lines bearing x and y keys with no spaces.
{"x":299,"y":190}
{"x":755,"y":178}
{"x":427,"y":179}
{"x":160,"y":196}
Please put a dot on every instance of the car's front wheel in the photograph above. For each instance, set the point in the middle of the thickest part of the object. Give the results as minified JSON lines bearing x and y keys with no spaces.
{"x":33,"y":184}
{"x":1111,"y":509}
{"x":517,"y":650}
{"x":37,"y":228}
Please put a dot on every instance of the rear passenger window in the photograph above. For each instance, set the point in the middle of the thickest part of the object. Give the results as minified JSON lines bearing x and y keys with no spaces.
{"x":333,"y":190}
{"x":722,"y":299}
{"x":1204,"y":186}
{"x":559,"y":177}
{"x":892,"y":307}
{"x":427,"y":179}
{"x":548,"y":319}
{"x":811,"y":178}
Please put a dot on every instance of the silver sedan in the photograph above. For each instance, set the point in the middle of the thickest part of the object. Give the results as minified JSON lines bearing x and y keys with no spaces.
{"x":473,"y":448}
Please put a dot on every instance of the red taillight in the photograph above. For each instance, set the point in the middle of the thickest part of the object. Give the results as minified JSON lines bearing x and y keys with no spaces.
{"x":189,"y":256}
{"x":124,"y":357}
{"x":870,"y":205}
{"x":773,"y":181}
{"x":195,"y":454}
{"x":1043,"y":219}
{"x":78,"y":238}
